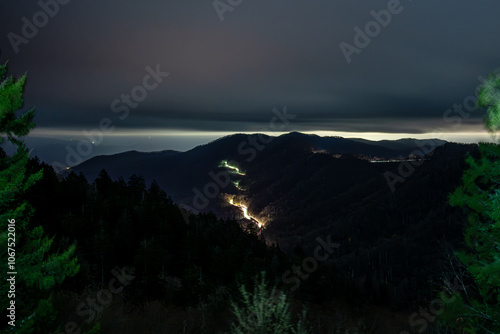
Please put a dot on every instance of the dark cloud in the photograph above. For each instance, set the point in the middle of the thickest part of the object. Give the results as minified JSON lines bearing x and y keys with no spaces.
{"x":229,"y":75}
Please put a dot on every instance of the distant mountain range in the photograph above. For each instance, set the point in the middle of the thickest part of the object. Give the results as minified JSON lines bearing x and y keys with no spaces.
{"x":178,"y":172}
{"x":391,"y":219}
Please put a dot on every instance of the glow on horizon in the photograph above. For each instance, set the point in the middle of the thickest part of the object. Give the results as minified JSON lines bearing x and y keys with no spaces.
{"x":461,"y":137}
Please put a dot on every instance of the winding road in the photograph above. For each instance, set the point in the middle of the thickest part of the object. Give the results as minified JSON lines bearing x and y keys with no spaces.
{"x":233,"y":168}
{"x":242,"y":207}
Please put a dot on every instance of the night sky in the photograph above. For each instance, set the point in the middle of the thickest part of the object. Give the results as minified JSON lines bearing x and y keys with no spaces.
{"x":226,"y":76}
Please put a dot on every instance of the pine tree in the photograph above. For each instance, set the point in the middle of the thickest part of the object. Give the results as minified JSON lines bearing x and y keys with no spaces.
{"x":264,"y":312}
{"x":479,"y":311}
{"x":39,"y":270}
{"x":489,"y":98}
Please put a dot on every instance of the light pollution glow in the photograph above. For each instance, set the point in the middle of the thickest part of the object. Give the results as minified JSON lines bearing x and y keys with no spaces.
{"x":202,"y":137}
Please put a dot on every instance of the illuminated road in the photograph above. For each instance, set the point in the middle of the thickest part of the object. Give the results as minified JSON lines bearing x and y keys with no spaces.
{"x":244,"y":209}
{"x":398,"y":160}
{"x":233,"y":168}
{"x":237,"y":185}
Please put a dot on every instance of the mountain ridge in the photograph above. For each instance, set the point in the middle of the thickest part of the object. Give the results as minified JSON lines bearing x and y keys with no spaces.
{"x":192,"y":167}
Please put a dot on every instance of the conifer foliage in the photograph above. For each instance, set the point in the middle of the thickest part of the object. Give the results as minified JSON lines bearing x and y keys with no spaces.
{"x":39,"y":268}
{"x":479,"y":309}
{"x":264,"y":312}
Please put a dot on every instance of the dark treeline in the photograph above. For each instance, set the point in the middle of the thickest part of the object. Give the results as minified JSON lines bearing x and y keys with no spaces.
{"x":187,"y":261}
{"x":126,"y":223}
{"x":179,"y":259}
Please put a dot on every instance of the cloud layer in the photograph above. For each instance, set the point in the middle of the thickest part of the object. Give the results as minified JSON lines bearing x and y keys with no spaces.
{"x":228,"y":75}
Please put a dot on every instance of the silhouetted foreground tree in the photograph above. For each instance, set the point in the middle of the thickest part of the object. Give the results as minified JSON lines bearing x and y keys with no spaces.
{"x":265,"y":312}
{"x":478,"y":310}
{"x":39,"y":269}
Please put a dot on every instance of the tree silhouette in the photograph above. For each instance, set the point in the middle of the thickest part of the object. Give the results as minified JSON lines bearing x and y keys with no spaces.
{"x":479,"y":309}
{"x":39,"y":269}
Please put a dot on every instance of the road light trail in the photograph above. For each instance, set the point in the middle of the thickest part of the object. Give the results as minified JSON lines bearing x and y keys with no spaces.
{"x":234,"y":168}
{"x":244,"y":209}
{"x":237,"y":185}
